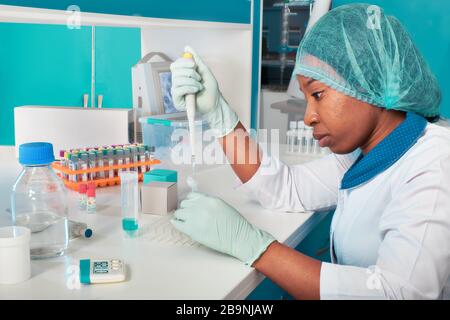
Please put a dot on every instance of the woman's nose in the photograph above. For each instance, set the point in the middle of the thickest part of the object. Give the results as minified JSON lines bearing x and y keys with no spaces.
{"x":311,"y":116}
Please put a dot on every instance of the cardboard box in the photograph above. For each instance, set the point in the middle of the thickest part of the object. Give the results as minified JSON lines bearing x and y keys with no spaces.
{"x":159,"y":197}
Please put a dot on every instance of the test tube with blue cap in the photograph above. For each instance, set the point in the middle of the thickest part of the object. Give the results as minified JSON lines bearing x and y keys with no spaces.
{"x":100,"y":163}
{"x":134,"y":157}
{"x":73,"y":163}
{"x":129,"y":202}
{"x":92,"y":163}
{"x":141,"y":151}
{"x":126,"y":157}
{"x":110,"y":159}
{"x":83,"y":163}
{"x":119,"y":159}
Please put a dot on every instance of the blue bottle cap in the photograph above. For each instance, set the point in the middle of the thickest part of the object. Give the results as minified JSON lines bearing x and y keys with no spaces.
{"x":36,"y":153}
{"x":88,"y":233}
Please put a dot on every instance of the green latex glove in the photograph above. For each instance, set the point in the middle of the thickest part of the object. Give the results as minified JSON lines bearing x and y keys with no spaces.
{"x":215,"y":224}
{"x":194,"y":76}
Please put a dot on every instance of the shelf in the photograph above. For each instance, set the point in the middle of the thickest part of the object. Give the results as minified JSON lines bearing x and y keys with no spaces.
{"x":48,"y":16}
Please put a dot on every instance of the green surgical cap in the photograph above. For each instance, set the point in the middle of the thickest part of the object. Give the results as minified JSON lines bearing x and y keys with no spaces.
{"x":361,"y":52}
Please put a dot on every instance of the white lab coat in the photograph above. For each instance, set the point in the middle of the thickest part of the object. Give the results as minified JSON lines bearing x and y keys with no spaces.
{"x":390,"y":236}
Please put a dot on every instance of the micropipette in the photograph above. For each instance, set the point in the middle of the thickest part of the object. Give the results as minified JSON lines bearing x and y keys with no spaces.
{"x":190,"y":111}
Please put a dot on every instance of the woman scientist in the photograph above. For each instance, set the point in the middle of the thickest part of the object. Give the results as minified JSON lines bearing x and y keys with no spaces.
{"x":369,"y":94}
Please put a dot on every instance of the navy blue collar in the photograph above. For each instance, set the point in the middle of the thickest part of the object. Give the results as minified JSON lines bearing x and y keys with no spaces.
{"x":385,"y":153}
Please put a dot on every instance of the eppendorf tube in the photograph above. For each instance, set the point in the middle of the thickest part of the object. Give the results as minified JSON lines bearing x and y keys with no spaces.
{"x":129,"y":202}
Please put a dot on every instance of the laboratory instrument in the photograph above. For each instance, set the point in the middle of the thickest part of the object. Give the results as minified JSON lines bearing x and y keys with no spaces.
{"x":190,"y":112}
{"x":110,"y":173}
{"x":79,"y":229}
{"x":126,"y":157}
{"x":291,"y":136}
{"x":14,"y":254}
{"x":39,"y":201}
{"x":165,"y":133}
{"x":151,"y":152}
{"x":192,"y":184}
{"x":119,"y":160}
{"x":129,"y":202}
{"x":141,"y":154}
{"x":83,"y":164}
{"x":300,"y":136}
{"x":211,"y":104}
{"x":102,"y":165}
{"x":92,"y":164}
{"x":101,"y":271}
{"x":161,"y":175}
{"x":73,"y":165}
{"x":300,"y":140}
{"x":91,"y":206}
{"x":151,"y":83}
{"x":82,"y":196}
{"x":134,"y":158}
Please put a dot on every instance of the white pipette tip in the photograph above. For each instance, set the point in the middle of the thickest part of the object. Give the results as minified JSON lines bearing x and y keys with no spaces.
{"x":192,"y":184}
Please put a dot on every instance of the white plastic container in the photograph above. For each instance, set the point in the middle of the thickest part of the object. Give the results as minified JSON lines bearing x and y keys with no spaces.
{"x":164,"y":132}
{"x":14,"y":254}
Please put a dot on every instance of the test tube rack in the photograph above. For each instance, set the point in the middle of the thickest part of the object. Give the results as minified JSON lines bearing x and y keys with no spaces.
{"x":99,"y":182}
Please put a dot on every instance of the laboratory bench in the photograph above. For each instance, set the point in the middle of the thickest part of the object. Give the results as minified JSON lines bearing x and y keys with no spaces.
{"x":161,"y":262}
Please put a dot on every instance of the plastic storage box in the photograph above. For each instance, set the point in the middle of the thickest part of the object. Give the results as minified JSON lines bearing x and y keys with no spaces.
{"x":168,"y":131}
{"x":163,"y":175}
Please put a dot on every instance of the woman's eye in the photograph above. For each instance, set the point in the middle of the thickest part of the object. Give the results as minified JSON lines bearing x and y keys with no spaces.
{"x":317,"y":95}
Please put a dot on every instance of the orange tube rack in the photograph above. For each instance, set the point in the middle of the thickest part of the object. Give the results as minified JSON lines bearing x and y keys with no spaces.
{"x":98,"y":182}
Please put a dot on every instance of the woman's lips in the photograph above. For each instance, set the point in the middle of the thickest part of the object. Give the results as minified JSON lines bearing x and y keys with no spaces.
{"x":324,"y":139}
{"x":324,"y":142}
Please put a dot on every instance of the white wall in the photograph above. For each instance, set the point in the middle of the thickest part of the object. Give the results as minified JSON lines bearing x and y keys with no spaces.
{"x":226,"y":51}
{"x":272,"y":118}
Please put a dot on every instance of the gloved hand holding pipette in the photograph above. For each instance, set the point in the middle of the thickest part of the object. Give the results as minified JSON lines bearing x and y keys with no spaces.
{"x":194,"y":77}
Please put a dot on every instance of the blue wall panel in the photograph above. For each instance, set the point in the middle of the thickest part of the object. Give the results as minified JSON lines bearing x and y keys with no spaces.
{"x":41,"y":65}
{"x":256,"y":57}
{"x":51,"y":65}
{"x":116,"y":51}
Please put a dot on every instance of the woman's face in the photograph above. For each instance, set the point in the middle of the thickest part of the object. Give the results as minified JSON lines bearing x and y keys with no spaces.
{"x":340,"y":122}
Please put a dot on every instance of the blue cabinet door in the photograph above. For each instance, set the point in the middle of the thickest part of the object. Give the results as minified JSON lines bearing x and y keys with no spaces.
{"x":116,"y":51}
{"x":235,"y":11}
{"x":41,"y":65}
{"x":51,"y":65}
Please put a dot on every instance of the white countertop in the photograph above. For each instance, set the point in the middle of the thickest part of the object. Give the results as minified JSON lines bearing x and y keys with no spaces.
{"x":161,"y":263}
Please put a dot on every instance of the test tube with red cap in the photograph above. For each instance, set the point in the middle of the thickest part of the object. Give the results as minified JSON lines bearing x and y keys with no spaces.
{"x":62,"y":161}
{"x":90,"y":204}
{"x":82,"y":199}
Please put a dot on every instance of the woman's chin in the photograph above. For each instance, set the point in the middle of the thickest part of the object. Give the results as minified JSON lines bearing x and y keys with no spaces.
{"x":337,"y":149}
